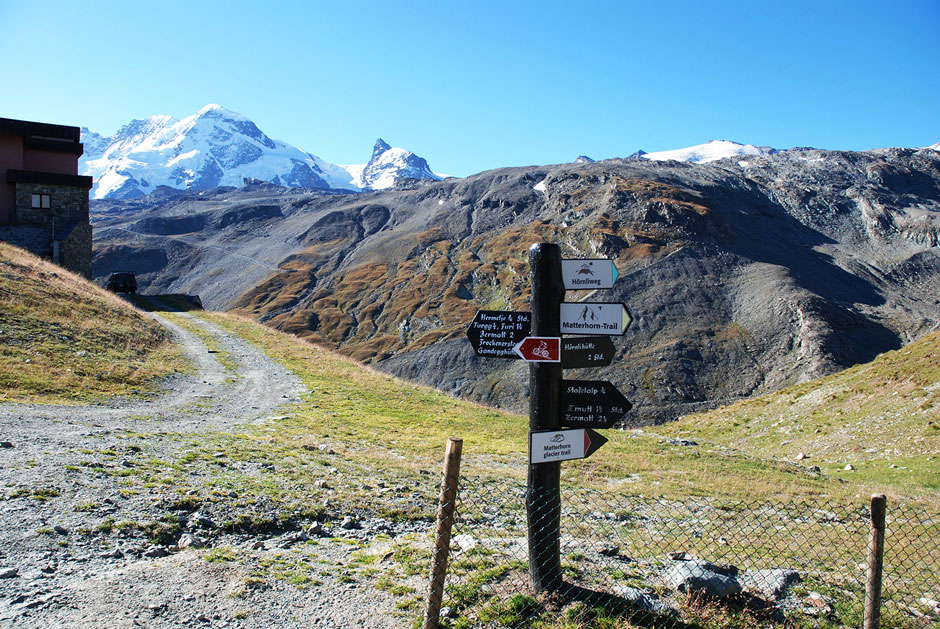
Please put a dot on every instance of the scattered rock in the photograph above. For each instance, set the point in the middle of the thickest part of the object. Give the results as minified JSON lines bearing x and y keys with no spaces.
{"x":6,"y":444}
{"x":8,"y":573}
{"x":848,"y":468}
{"x":700,"y":576}
{"x":315,"y":529}
{"x":817,"y":605}
{"x":349,"y":522}
{"x":61,"y":530}
{"x":188,"y":539}
{"x":641,"y":599}
{"x":801,"y":456}
{"x":258,"y":545}
{"x":768,"y":584}
{"x":198,"y":520}
{"x":682,"y":442}
{"x":155,"y":552}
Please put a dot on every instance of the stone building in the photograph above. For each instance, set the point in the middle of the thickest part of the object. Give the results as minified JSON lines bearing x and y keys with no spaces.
{"x":43,"y":199}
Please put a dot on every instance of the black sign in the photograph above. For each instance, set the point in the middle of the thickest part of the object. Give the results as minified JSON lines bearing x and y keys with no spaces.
{"x":586,"y":351}
{"x":495,"y":333}
{"x":591,"y":404}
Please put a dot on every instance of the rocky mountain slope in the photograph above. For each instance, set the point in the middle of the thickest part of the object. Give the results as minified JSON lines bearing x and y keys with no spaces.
{"x":219,"y":147}
{"x":742,"y":274}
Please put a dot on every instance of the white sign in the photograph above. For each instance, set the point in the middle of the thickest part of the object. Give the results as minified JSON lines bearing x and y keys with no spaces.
{"x":591,"y":318}
{"x":588,"y":274}
{"x":558,"y":445}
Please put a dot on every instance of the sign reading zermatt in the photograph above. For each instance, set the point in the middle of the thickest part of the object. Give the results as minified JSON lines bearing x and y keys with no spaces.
{"x":591,"y":404}
{"x":588,"y":274}
{"x":594,"y":318}
{"x":495,"y":333}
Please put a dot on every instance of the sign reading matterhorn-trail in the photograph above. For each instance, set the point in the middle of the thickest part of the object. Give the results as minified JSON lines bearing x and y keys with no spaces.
{"x":593,"y":318}
{"x":588,"y":274}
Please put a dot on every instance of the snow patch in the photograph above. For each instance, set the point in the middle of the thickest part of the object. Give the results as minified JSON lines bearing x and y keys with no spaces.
{"x":540,"y":187}
{"x":708,"y":152}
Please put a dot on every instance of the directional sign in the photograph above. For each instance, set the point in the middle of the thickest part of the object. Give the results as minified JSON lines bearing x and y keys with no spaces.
{"x":549,"y":446}
{"x":544,"y":349}
{"x":592,"y":318}
{"x":591,"y":404}
{"x":588,"y":274}
{"x":495,"y":333}
{"x":586,"y":351}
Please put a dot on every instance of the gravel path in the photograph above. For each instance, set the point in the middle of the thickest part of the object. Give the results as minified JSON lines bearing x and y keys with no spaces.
{"x":57,"y":567}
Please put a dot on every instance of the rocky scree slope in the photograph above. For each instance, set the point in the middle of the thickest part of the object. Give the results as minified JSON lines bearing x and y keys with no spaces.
{"x":742,"y":275}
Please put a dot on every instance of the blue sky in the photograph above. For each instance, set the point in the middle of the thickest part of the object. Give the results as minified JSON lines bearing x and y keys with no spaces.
{"x":479,"y":85}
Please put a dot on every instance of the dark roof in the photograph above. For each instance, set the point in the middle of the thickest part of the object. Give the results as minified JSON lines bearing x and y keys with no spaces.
{"x":26,"y":128}
{"x":49,"y":179}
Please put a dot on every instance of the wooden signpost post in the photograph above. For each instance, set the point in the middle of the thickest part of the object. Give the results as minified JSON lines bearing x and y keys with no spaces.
{"x":576,"y":405}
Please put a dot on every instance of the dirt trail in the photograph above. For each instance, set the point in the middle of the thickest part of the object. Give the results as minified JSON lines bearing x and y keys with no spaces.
{"x":61,"y":484}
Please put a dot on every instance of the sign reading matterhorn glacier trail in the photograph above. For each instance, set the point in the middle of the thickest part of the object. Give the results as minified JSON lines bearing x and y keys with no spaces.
{"x":593,"y":318}
{"x":588,"y":274}
{"x":563,"y":445}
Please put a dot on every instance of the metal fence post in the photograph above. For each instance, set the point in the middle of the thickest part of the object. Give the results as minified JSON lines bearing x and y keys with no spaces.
{"x":543,"y":499}
{"x":876,"y":547}
{"x":445,"y":521}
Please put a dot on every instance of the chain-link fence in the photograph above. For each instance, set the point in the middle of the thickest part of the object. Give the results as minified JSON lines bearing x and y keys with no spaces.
{"x":626,"y":561}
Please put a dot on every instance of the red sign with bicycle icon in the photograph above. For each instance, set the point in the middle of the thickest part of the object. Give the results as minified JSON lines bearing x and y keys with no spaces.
{"x":546,"y":349}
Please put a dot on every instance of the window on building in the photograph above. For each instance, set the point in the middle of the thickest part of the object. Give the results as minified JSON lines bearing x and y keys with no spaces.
{"x":42,"y":201}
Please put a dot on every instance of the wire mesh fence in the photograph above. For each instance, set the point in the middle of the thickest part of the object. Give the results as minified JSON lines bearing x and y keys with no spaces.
{"x":625,"y":561}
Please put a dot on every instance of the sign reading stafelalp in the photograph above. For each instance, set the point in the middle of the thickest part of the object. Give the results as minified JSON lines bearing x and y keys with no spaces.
{"x":549,"y":446}
{"x":593,"y":318}
{"x":495,"y":333}
{"x":591,"y":404}
{"x":588,"y":274}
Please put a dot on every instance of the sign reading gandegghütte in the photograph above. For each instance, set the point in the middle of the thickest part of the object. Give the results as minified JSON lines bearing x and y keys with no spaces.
{"x":495,"y":333}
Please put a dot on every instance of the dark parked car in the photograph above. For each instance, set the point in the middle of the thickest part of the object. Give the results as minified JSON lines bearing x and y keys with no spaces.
{"x":122,"y":283}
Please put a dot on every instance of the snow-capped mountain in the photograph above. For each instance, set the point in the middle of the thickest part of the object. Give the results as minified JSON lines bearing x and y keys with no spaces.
{"x":219,"y":147}
{"x":389,"y":164}
{"x":708,"y":152}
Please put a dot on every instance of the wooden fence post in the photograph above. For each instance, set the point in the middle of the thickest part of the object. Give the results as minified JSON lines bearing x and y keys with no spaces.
{"x":876,"y":548}
{"x":445,"y":520}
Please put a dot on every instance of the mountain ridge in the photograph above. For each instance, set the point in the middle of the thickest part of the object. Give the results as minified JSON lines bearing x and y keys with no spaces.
{"x":742,"y":277}
{"x":219,"y":147}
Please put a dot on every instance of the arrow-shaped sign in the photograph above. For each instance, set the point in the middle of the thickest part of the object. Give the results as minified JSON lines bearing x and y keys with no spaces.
{"x":593,"y":318}
{"x":549,"y":446}
{"x":588,"y":274}
{"x":591,"y":404}
{"x":495,"y":333}
{"x":586,"y":351}
{"x":543,"y":349}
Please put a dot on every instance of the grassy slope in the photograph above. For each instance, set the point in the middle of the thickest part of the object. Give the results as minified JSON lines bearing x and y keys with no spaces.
{"x":882,"y":418}
{"x":390,"y":425}
{"x":65,"y":340}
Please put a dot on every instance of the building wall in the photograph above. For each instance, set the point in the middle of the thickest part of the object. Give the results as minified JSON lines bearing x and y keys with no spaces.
{"x":67,"y":204}
{"x":75,"y":250}
{"x":50,"y":162}
{"x":11,"y":156}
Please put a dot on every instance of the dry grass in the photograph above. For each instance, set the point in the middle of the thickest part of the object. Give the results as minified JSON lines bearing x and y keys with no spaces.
{"x":65,"y":340}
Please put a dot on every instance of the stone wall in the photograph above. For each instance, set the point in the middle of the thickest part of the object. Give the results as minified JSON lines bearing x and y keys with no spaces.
{"x":68,"y":204}
{"x":75,"y":250}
